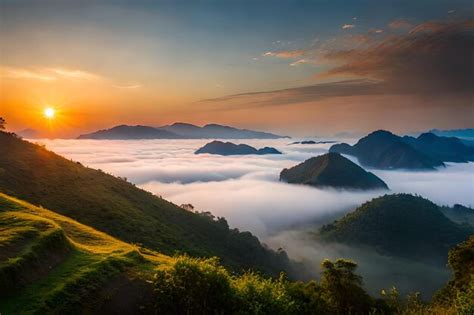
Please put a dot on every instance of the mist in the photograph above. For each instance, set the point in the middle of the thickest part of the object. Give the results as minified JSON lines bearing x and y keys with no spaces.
{"x":247,"y":192}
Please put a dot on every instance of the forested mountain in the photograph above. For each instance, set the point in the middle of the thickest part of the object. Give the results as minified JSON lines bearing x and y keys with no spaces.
{"x":399,"y":225}
{"x":331,"y":170}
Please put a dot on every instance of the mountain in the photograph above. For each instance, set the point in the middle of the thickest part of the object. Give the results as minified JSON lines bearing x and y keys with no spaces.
{"x":229,"y":148}
{"x":28,"y":133}
{"x":459,"y":214}
{"x":382,"y":149}
{"x":446,"y":149}
{"x":117,"y":207}
{"x":399,"y":225}
{"x":124,"y":132}
{"x":178,"y":131}
{"x":465,"y":134}
{"x":331,"y":170}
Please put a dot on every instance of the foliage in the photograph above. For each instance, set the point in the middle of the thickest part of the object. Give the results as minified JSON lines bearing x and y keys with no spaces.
{"x":2,"y":123}
{"x":202,"y":286}
{"x":401,"y":225}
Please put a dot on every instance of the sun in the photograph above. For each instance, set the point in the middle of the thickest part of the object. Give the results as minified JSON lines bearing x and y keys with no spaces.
{"x":49,"y":112}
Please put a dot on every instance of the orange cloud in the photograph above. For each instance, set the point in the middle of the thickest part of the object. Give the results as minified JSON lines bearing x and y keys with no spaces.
{"x":284,"y":53}
{"x":46,"y":74}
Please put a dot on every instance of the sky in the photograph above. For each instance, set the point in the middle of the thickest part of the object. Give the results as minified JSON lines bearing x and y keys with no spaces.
{"x":293,"y":67}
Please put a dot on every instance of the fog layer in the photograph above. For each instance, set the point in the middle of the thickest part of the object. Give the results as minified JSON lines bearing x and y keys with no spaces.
{"x":247,"y":192}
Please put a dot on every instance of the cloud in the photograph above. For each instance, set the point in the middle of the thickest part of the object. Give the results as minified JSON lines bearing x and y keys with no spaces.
{"x":433,"y":58}
{"x":284,"y":53}
{"x":131,"y":86}
{"x":301,"y":94}
{"x":246,"y":191}
{"x":73,"y":74}
{"x":348,"y":26}
{"x":18,"y":73}
{"x":47,"y":74}
{"x":298,"y":62}
{"x":400,"y":24}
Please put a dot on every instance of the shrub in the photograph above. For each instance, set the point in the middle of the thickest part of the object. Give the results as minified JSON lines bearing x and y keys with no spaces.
{"x":194,"y":286}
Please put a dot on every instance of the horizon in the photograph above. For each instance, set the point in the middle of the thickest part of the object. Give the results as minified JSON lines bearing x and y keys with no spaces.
{"x":274,"y":157}
{"x":369,"y":66}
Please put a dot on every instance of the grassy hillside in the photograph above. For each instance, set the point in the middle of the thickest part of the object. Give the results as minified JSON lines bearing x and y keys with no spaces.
{"x":52,"y":264}
{"x":401,"y":225}
{"x":117,"y":207}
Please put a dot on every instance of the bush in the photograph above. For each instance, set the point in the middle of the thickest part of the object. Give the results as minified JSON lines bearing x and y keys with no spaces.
{"x":194,"y":286}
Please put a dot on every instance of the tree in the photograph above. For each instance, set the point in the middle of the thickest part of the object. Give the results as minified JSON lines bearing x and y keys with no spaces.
{"x":343,"y":288}
{"x":2,"y":123}
{"x":188,"y":207}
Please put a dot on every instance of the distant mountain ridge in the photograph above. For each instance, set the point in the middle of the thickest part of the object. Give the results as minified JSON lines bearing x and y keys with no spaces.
{"x":178,"y":131}
{"x":229,"y":148}
{"x":385,"y":150}
{"x":467,"y":133}
{"x":332,"y":170}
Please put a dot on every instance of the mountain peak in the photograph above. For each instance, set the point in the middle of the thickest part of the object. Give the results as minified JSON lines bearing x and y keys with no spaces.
{"x":332,"y":170}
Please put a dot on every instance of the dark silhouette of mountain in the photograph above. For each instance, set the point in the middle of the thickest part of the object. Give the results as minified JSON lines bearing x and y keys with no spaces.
{"x":331,"y":170}
{"x":229,"y":148}
{"x":383,"y":149}
{"x":467,"y":134}
{"x":400,"y":225}
{"x":178,"y":131}
{"x":459,"y":214}
{"x":217,"y":132}
{"x":124,"y":132}
{"x":446,"y":149}
{"x":313,"y":142}
{"x":119,"y":208}
{"x":28,"y":133}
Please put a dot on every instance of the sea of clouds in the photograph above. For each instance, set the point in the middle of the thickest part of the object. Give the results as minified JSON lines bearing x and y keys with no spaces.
{"x":247,"y":192}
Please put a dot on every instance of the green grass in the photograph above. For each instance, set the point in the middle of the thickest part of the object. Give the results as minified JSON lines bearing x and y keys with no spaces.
{"x":51,"y":263}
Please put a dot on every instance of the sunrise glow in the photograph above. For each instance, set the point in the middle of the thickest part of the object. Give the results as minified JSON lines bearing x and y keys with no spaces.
{"x":49,"y":112}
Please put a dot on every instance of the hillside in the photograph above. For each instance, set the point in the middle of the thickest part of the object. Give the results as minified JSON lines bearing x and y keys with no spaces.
{"x":399,"y":225}
{"x":459,"y":214}
{"x":446,"y":149}
{"x":117,"y":207}
{"x":178,"y":131}
{"x":229,"y":148}
{"x":49,"y":262}
{"x":383,"y":149}
{"x":331,"y":170}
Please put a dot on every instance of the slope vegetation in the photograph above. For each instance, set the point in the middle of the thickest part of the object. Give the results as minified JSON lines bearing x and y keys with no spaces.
{"x":400,"y":225}
{"x":117,"y":207}
{"x":49,"y":262}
